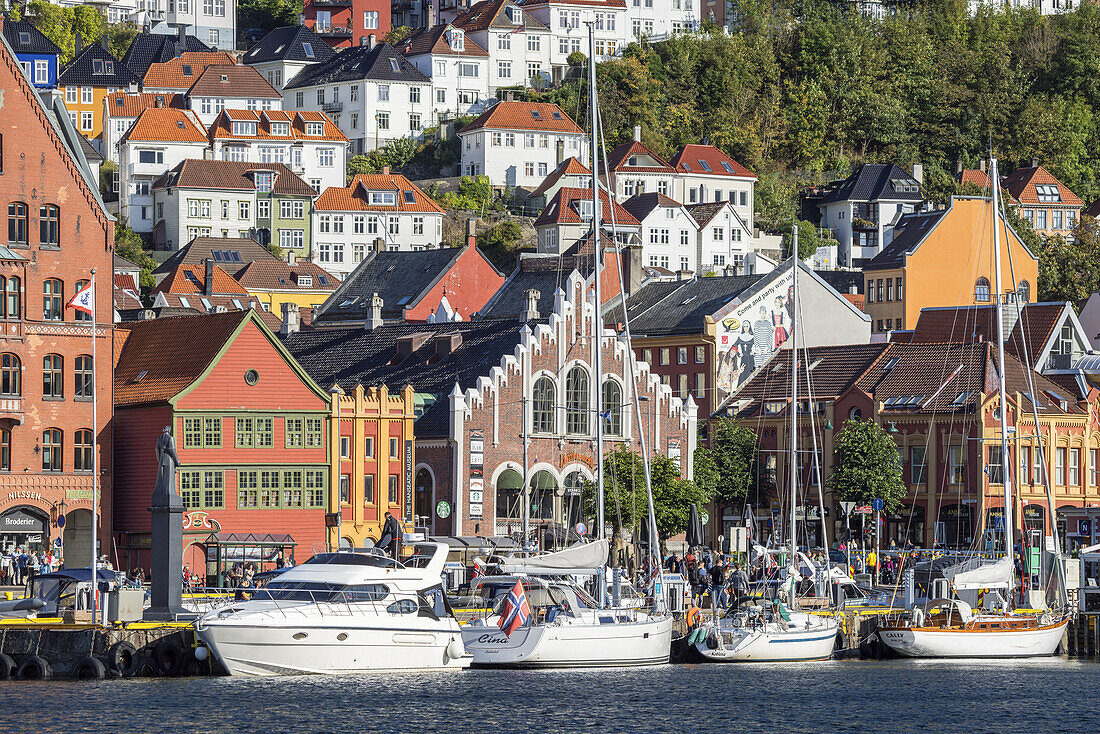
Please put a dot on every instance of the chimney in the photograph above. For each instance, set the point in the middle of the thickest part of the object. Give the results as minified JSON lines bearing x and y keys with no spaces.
{"x":958,"y":167}
{"x":372,"y":41}
{"x":374,"y":316}
{"x":1034,"y":162}
{"x":292,"y":320}
{"x":559,"y":149}
{"x":632,"y":267}
{"x":379,"y":244}
{"x":103,"y":41}
{"x":683,"y":275}
{"x":471,"y":229}
{"x":637,"y":133}
{"x":208,"y":283}
{"x":76,"y":43}
{"x":981,"y":165}
{"x":385,"y":170}
{"x":1010,"y":311}
{"x":918,"y":172}
{"x":531,"y":305}
{"x":853,"y":290}
{"x":446,"y":344}
{"x":291,"y":257}
{"x":181,"y":40}
{"x":148,"y":314}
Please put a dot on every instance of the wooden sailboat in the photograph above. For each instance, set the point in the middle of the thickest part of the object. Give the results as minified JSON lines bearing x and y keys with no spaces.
{"x":951,"y":628}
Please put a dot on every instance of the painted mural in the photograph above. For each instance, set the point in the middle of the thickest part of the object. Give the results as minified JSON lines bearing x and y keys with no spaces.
{"x":748,"y":336}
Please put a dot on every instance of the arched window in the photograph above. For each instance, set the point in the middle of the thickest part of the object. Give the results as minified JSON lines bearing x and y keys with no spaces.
{"x":13,"y":298}
{"x":17,"y":223}
{"x":82,"y":450}
{"x":10,"y":375}
{"x":1023,"y":291}
{"x":53,"y":376}
{"x":5,"y":449}
{"x":572,"y":506}
{"x":612,"y":408}
{"x":855,"y":414}
{"x":53,"y":292}
{"x":48,"y":217}
{"x":576,"y":400}
{"x":51,"y":449}
{"x":542,"y":406}
{"x":981,"y":290}
{"x":85,"y":376}
{"x":509,"y":489}
{"x":543,"y":486}
{"x":80,"y":315}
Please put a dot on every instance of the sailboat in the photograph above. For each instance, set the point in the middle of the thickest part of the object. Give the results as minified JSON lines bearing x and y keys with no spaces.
{"x":756,"y":633}
{"x":950,"y":627}
{"x":567,"y":627}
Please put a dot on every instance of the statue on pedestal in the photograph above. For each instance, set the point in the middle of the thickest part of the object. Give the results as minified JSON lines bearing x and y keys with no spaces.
{"x":167,"y":536}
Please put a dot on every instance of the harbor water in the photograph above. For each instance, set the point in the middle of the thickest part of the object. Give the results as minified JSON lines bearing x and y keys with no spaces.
{"x":896,"y":696}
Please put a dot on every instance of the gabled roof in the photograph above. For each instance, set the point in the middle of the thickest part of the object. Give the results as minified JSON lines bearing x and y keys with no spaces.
{"x":126,"y":292}
{"x":910,"y":232}
{"x":564,"y":208}
{"x":703,"y":213}
{"x":619,"y":159}
{"x":408,"y":197}
{"x":131,"y":104}
{"x":434,"y":41}
{"x":181,"y":72}
{"x":536,"y":116}
{"x":164,"y":124}
{"x":235,"y":175}
{"x":679,"y":306}
{"x":1093,"y":210}
{"x":381,"y":63}
{"x":536,"y":271}
{"x":569,"y":167}
{"x":222,"y":127}
{"x":156,"y":48}
{"x":289,"y":43}
{"x":121,"y":264}
{"x":233,"y":81}
{"x":231,"y":253}
{"x":842,"y":281}
{"x":876,"y":182}
{"x":303,"y":275}
{"x":582,"y":3}
{"x":696,"y":159}
{"x":190,"y":279}
{"x":975,"y":324}
{"x":642,"y":205}
{"x":490,"y":14}
{"x":95,"y":67}
{"x":974,"y":176}
{"x":399,"y":278}
{"x":24,"y":38}
{"x":1022,"y":184}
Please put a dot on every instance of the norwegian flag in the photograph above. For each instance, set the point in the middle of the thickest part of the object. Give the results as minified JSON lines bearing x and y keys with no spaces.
{"x":84,"y":300}
{"x":654,"y":574}
{"x":479,"y":572}
{"x":516,"y":610}
{"x":521,"y":28}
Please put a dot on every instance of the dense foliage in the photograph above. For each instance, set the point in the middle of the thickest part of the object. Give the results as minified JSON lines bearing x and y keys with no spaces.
{"x":867,"y":466}
{"x":61,"y":25}
{"x":732,"y":453}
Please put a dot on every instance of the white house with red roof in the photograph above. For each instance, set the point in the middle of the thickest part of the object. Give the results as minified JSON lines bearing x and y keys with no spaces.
{"x":669,"y":233}
{"x":568,"y":23}
{"x":635,"y":169}
{"x":121,"y":110}
{"x":657,"y":19}
{"x":517,"y":144}
{"x":706,"y":174}
{"x":517,"y":42}
{"x":1044,"y":201}
{"x":458,"y":66}
{"x":160,"y":138}
{"x":383,"y":211}
{"x":725,"y":240}
{"x":570,"y":173}
{"x":308,"y":142}
{"x":568,"y":218}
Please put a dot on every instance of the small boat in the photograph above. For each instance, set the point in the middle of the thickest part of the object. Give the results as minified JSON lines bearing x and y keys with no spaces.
{"x":341,"y":612}
{"x":759,"y":634}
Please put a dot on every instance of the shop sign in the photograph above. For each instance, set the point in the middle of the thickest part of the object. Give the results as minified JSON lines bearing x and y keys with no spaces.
{"x":477,"y":473}
{"x":18,"y":521}
{"x":408,"y":481}
{"x":22,"y":494}
{"x":575,"y":458}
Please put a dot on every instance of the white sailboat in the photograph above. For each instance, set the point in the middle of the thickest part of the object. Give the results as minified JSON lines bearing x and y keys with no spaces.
{"x":567,"y":627}
{"x":758,"y":633}
{"x":951,"y":628}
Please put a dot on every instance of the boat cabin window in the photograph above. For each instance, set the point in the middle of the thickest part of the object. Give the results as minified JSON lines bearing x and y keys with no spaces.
{"x":319,"y":591}
{"x":433,"y":603}
{"x":355,"y":559}
{"x":403,"y":606}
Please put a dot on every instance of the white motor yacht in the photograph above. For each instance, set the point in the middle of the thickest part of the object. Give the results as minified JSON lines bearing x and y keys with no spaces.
{"x":341,"y":612}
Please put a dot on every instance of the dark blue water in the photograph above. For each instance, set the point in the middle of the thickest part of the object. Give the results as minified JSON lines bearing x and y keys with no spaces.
{"x":897,"y":696}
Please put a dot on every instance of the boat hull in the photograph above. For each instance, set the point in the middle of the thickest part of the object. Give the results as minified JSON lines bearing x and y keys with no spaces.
{"x":645,"y":642}
{"x":932,"y":642}
{"x":772,"y":645}
{"x":266,"y":650}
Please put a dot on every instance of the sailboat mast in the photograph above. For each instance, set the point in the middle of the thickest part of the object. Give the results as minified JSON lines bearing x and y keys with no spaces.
{"x":597,"y":326}
{"x":794,"y":394}
{"x":1010,"y":540}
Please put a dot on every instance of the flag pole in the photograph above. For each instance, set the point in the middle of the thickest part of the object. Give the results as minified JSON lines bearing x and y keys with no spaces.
{"x":95,"y":463}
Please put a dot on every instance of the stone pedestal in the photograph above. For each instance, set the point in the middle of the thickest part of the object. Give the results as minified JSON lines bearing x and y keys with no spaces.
{"x":167,"y":561}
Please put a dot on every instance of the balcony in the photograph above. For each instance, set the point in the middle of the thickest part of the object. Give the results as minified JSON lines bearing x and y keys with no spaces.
{"x":330,"y":107}
{"x":11,"y":408}
{"x":1060,"y":361}
{"x":334,"y":31}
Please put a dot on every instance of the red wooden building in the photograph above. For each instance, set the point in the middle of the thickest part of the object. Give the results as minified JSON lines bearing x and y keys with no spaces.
{"x":250,"y":430}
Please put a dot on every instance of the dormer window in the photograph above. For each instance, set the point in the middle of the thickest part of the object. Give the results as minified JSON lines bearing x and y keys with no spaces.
{"x":584,"y":207}
{"x":315,"y":128}
{"x":280,"y":128}
{"x":265,"y":180}
{"x":515,"y":15}
{"x":305,"y":281}
{"x":383,"y":198}
{"x":244,"y":127}
{"x":1048,"y":193}
{"x":456,"y":39}
{"x":97,"y":66}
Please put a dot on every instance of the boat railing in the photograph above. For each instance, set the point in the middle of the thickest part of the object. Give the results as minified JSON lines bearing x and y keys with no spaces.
{"x":324,"y":603}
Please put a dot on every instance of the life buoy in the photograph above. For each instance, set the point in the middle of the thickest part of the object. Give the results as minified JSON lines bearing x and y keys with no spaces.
{"x":90,"y":669}
{"x":7,"y":666}
{"x":170,"y":656}
{"x":34,"y":667}
{"x":122,"y":658}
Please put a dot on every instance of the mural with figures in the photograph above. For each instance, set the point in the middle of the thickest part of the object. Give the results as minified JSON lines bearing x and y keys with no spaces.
{"x":747,"y":337}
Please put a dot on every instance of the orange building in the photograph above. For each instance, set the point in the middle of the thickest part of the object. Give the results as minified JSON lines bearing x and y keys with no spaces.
{"x":944,"y":258}
{"x":87,"y":80}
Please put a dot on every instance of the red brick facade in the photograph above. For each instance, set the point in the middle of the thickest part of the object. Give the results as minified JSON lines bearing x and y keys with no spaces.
{"x":58,"y":232}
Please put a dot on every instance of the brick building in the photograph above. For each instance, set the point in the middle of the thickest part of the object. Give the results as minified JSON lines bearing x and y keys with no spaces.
{"x":250,"y":429}
{"x":58,"y":232}
{"x":480,"y":387}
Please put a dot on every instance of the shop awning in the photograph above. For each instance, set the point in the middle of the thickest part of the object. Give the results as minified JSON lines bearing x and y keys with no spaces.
{"x":252,"y":540}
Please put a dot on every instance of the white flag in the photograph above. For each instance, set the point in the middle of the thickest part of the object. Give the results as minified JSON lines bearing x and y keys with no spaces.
{"x":84,"y":300}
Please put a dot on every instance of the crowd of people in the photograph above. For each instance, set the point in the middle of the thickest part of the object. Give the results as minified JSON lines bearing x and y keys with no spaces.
{"x":18,"y":564}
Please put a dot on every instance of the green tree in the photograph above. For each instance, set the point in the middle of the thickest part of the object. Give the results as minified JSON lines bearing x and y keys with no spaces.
{"x":267,"y":14}
{"x":673,"y":497}
{"x":128,"y":244}
{"x":733,"y":448}
{"x":809,"y":241}
{"x":867,"y":466}
{"x":500,"y":243}
{"x":398,"y":34}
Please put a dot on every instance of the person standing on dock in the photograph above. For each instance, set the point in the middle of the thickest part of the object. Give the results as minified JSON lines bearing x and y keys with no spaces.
{"x":695,"y":630}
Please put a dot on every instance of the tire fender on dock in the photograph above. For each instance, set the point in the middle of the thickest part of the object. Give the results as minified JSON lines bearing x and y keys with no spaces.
{"x":34,"y":667}
{"x":170,"y":656}
{"x":7,"y":666}
{"x":90,"y":669}
{"x":122,"y":658}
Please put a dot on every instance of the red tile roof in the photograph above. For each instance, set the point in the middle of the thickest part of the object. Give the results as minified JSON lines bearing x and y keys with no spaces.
{"x":131,"y":104}
{"x":974,"y":176}
{"x":692,"y":157}
{"x":196,"y":173}
{"x":190,"y":279}
{"x":173,"y":74}
{"x":222,"y":127}
{"x":539,"y":116}
{"x":233,"y":81}
{"x":355,"y":197}
{"x":563,"y":209}
{"x":1021,"y":184}
{"x":489,"y":14}
{"x":165,"y":124}
{"x":618,"y":159}
{"x":569,"y":167}
{"x":979,"y":324}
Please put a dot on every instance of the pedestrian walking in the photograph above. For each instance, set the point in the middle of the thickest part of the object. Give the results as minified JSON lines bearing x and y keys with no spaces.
{"x":718,"y":586}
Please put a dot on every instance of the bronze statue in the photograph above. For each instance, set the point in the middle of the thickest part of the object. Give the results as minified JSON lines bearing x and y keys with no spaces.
{"x":167,"y":462}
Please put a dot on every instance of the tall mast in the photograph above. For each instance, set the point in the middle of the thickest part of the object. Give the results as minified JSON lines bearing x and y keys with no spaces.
{"x":1010,"y":540}
{"x":794,"y":395}
{"x":597,"y":327}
